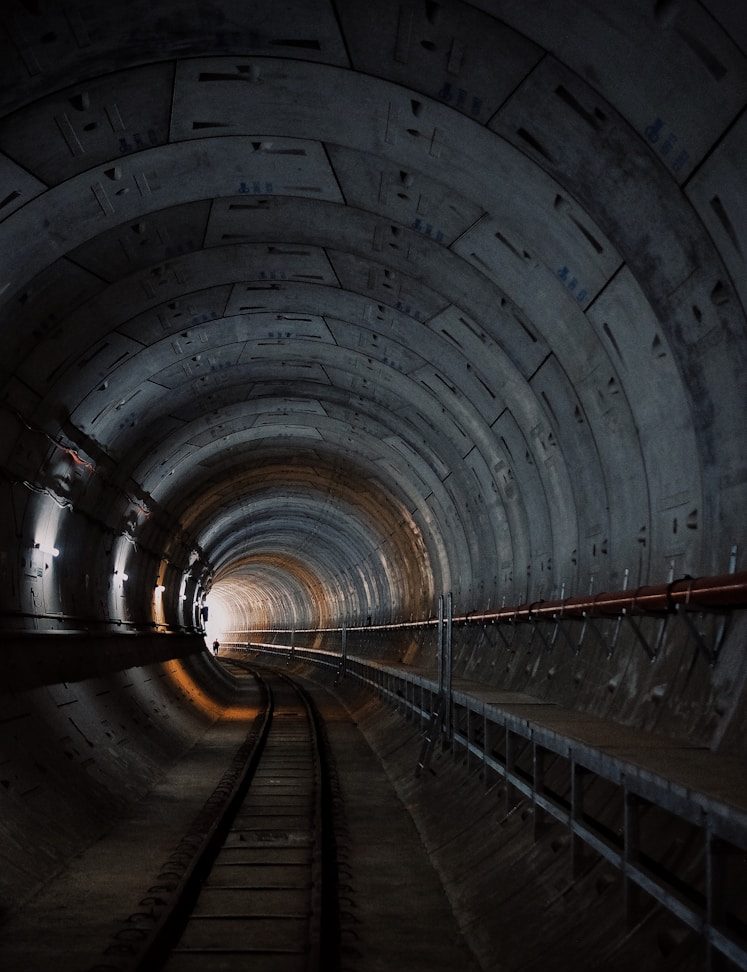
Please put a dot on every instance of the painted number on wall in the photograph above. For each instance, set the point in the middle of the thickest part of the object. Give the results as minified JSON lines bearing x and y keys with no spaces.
{"x":666,"y":144}
{"x":460,"y":99}
{"x":572,"y":284}
{"x":427,"y":230}
{"x":256,"y":188}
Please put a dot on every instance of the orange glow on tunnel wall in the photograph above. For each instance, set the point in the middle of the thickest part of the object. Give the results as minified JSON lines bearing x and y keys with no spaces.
{"x":181,"y":679}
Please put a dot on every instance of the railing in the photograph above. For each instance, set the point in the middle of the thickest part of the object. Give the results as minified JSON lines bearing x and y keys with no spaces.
{"x":717,"y":595}
{"x":520,"y":750}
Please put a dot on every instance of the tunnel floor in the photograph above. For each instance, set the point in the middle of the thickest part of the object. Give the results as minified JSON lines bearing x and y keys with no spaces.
{"x":393,"y":911}
{"x":71,"y":920}
{"x":397,"y":915}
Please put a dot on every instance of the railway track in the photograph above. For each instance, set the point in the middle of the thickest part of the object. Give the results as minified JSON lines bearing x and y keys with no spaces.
{"x":244,"y":889}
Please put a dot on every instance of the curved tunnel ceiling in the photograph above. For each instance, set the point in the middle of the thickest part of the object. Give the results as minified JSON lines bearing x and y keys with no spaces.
{"x":334,"y":306}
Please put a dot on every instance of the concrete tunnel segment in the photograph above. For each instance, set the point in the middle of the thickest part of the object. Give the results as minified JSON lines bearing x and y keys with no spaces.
{"x":321,"y":310}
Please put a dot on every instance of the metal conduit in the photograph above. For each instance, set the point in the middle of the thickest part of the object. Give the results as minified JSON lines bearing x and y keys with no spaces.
{"x":716,"y":593}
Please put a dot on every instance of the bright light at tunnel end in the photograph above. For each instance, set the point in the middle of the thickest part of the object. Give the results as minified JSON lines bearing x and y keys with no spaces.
{"x":219,"y":620}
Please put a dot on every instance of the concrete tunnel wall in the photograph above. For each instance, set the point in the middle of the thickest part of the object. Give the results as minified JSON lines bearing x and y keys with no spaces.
{"x":327,"y":308}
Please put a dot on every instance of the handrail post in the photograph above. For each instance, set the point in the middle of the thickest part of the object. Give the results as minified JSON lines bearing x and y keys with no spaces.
{"x":448,"y":666}
{"x":440,"y":644}
{"x":344,"y":651}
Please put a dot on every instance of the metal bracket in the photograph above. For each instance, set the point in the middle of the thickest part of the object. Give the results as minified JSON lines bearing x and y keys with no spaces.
{"x":582,"y":633}
{"x":543,"y":639}
{"x":591,"y":626}
{"x":569,"y":640}
{"x":611,"y":647}
{"x":651,"y":652}
{"x":660,"y":636}
{"x":723,"y":626}
{"x":507,"y":644}
{"x":558,"y":618}
{"x":711,"y":654}
{"x":720,"y":637}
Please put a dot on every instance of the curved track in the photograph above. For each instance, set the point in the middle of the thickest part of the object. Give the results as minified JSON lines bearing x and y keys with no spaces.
{"x":244,"y":887}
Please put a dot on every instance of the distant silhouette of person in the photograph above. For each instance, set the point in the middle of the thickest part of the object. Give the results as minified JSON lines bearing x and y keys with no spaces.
{"x":216,"y":646}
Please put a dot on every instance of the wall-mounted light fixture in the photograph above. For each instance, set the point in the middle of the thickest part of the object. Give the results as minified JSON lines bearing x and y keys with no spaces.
{"x":50,"y":551}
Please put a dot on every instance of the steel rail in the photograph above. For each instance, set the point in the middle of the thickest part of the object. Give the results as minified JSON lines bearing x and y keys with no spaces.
{"x":272,"y":847}
{"x":143,"y":941}
{"x":319,"y":893}
{"x":243,"y":814}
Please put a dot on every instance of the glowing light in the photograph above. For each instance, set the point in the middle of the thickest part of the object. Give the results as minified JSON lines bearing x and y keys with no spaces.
{"x":179,"y":676}
{"x":219,"y":619}
{"x":50,"y":551}
{"x":160,"y":588}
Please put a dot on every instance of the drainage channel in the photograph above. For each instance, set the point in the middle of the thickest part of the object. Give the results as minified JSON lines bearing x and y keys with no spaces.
{"x":244,"y":887}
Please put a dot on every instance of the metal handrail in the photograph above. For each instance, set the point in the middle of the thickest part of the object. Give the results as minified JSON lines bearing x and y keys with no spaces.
{"x":715,"y":593}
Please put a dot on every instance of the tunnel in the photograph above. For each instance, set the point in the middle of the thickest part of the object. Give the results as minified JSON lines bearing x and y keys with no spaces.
{"x":399,"y":350}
